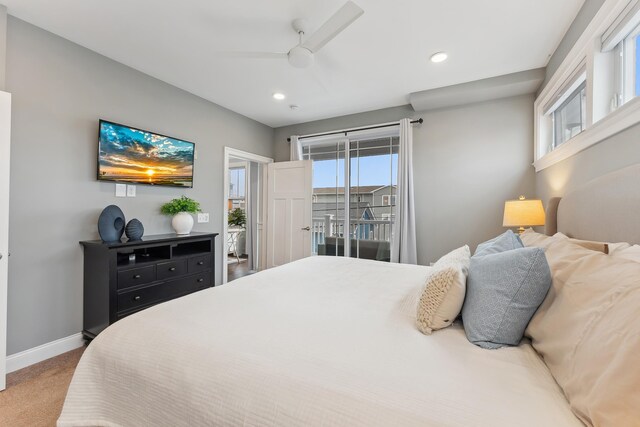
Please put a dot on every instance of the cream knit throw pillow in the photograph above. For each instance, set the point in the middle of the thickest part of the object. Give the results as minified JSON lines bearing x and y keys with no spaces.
{"x":444,"y":291}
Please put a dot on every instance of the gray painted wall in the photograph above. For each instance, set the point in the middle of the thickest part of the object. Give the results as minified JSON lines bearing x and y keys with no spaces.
{"x":580,"y":23}
{"x":60,"y":90}
{"x":3,"y":46}
{"x":609,"y":155}
{"x":467,"y":161}
{"x":619,"y":151}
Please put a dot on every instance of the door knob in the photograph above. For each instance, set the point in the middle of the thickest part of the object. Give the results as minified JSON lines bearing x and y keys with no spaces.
{"x":307,"y":228}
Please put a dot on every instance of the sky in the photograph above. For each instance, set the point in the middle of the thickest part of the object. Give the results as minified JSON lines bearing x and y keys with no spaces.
{"x":236,"y":182}
{"x":372,"y":170}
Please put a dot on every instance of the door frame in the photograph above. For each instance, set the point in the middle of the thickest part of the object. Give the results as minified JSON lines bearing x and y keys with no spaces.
{"x":249,"y":157}
{"x":5,"y":157}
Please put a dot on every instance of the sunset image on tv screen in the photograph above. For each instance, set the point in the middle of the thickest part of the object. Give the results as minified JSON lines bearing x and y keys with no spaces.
{"x":132,"y":155}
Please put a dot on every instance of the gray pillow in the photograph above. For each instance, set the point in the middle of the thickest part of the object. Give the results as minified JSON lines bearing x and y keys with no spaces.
{"x":504,"y":290}
{"x":505,"y":242}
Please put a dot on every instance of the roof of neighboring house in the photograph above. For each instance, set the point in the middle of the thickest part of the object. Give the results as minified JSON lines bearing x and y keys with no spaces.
{"x":337,"y":210}
{"x":363,"y":189}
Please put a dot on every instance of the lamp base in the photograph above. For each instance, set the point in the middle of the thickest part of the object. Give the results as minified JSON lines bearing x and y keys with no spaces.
{"x":520,"y":230}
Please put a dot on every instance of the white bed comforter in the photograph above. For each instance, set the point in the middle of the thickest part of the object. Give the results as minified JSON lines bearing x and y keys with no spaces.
{"x":324,"y":341}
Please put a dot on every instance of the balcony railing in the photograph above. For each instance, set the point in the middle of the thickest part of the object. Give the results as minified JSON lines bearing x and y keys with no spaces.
{"x":360,"y":229}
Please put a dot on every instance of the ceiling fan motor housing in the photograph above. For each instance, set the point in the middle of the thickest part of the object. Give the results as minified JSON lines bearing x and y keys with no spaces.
{"x":300,"y":57}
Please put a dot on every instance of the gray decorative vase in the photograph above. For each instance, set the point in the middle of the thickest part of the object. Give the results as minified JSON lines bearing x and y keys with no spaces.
{"x":134,"y":229}
{"x":111,"y":224}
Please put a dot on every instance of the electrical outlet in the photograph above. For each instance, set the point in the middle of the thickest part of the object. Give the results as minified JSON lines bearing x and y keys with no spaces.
{"x":203,"y":217}
{"x":131,"y":190}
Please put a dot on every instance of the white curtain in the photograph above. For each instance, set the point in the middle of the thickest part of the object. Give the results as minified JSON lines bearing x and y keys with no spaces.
{"x":296,"y":149}
{"x":403,"y":243}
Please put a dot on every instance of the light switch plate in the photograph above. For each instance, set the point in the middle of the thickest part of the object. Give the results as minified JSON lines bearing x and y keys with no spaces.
{"x":131,"y":190}
{"x":203,"y":217}
{"x":121,"y":190}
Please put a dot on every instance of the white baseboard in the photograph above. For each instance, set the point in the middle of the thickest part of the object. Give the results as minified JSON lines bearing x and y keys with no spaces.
{"x":43,"y":352}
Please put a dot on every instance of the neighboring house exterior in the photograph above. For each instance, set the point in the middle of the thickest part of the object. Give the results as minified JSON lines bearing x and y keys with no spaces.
{"x":372,"y":212}
{"x":373,"y":202}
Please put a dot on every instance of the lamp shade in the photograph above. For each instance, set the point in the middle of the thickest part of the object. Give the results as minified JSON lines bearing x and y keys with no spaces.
{"x":523,"y":213}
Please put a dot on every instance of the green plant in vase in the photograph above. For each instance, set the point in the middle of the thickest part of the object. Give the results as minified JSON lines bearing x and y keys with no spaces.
{"x":181,"y":209}
{"x":237,"y":218}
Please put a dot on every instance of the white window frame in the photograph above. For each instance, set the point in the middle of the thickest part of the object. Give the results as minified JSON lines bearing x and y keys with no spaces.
{"x":601,"y":122}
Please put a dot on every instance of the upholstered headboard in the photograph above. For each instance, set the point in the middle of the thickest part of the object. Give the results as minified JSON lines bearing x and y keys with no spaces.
{"x":606,"y":209}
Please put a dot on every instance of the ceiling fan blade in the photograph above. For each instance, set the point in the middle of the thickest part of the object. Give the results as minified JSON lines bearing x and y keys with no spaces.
{"x":334,"y":26}
{"x":252,"y":55}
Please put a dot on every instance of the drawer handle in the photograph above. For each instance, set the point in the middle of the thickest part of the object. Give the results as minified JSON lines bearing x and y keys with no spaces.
{"x":172,"y":269}
{"x":200,"y":280}
{"x":137,"y":276}
{"x":200,"y":262}
{"x":136,"y":298}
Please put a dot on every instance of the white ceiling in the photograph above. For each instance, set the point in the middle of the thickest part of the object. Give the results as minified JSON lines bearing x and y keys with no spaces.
{"x":375,"y":63}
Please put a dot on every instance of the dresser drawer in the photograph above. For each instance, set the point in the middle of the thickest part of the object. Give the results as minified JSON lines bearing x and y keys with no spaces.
{"x":199,"y":263}
{"x":136,"y":276}
{"x":168,"y":270}
{"x":202,"y":280}
{"x":162,"y":292}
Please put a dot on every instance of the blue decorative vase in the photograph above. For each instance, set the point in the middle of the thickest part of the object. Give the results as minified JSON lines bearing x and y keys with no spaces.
{"x":111,"y":224}
{"x":134,"y":229}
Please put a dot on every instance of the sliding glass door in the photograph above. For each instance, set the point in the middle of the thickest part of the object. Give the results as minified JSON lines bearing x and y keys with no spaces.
{"x":373,"y":175}
{"x":354,"y":196}
{"x":328,"y":197}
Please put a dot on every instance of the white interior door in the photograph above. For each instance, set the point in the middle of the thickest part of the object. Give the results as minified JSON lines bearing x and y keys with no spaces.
{"x":289,"y":198}
{"x":5,"y":139}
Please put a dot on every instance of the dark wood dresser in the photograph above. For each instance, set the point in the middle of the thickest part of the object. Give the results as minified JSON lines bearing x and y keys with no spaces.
{"x":121,"y":278}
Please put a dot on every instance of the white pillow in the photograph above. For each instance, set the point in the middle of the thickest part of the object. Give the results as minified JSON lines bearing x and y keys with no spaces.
{"x":617,"y":247}
{"x":587,"y":332}
{"x":632,"y":253}
{"x":443,"y":295}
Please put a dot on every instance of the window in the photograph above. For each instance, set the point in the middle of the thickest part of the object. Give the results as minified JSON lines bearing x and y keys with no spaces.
{"x":627,"y":70}
{"x":592,"y":95}
{"x":570,"y":117}
{"x":236,"y":182}
{"x":237,"y":188}
{"x":388,"y":200}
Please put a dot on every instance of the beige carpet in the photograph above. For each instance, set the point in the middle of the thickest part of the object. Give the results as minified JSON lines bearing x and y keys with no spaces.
{"x":35,"y":394}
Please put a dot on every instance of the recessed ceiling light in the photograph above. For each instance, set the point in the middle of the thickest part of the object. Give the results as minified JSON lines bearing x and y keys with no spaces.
{"x":279,"y":96}
{"x":439,"y":57}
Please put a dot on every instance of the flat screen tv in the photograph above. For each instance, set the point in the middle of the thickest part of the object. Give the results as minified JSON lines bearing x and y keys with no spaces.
{"x":127,"y":154}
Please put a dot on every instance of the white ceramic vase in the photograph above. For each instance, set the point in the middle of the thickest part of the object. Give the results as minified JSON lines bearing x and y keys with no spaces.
{"x":182,"y":223}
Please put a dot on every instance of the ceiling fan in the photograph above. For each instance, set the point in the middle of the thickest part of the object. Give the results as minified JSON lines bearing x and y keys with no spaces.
{"x":303,"y":54}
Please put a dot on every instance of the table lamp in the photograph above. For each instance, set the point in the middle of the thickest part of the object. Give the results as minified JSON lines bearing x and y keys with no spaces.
{"x":523,"y":213}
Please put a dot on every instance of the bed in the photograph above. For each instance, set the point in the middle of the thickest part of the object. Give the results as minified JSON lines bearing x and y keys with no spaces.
{"x":322,"y":341}
{"x":325,"y":341}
